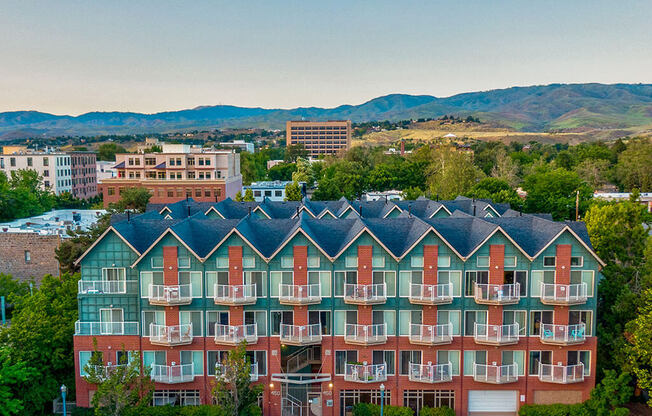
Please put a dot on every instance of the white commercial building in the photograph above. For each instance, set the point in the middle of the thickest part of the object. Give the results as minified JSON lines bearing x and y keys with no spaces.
{"x":53,"y":167}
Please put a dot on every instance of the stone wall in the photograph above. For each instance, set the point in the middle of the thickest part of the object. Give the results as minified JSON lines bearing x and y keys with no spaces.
{"x":13,"y":248}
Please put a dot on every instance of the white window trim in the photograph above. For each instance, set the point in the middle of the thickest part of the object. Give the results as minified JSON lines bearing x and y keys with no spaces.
{"x":350,"y":267}
{"x":270,"y":320}
{"x":443,"y":257}
{"x":510,"y":265}
{"x":285,"y":258}
{"x":152,"y":262}
{"x":217,"y":264}
{"x":201,"y":317}
{"x":581,"y":261}
{"x":543,"y":261}
{"x":318,"y":262}
{"x":527,"y":317}
{"x":343,"y":283}
{"x":554,"y":278}
{"x":184,"y":267}
{"x":412,"y":258}
{"x":461,"y":272}
{"x":249,"y":267}
{"x":378,"y":257}
{"x":477,"y":261}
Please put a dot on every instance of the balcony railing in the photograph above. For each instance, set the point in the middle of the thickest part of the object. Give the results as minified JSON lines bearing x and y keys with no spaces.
{"x":554,"y":294}
{"x":562,"y":334}
{"x":365,"y":334}
{"x":365,"y":373}
{"x":235,"y":294}
{"x":173,"y":374}
{"x":221,"y":369}
{"x":300,"y":334}
{"x":107,"y":287}
{"x":365,"y":294}
{"x":299,"y":294}
{"x":102,"y":372}
{"x":561,"y":374}
{"x":431,"y":373}
{"x":431,"y":294}
{"x":496,"y":334}
{"x":490,"y":294}
{"x":170,"y":335}
{"x":235,"y":334}
{"x":431,"y":334}
{"x":170,"y":295}
{"x":106,"y":328}
{"x":495,"y":374}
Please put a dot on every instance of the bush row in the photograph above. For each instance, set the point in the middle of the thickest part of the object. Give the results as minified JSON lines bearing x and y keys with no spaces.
{"x":366,"y":409}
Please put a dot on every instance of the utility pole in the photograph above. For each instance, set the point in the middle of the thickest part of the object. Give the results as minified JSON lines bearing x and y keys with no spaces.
{"x":577,"y":205}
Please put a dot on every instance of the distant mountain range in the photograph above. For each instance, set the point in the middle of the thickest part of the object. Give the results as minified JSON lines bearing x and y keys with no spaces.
{"x":535,"y":108}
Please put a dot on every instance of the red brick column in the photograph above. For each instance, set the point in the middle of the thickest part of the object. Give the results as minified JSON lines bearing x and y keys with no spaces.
{"x":496,"y":277}
{"x":235,"y":278}
{"x":562,"y":277}
{"x":300,"y":254}
{"x":430,"y":254}
{"x":365,"y":277}
{"x":171,"y":277}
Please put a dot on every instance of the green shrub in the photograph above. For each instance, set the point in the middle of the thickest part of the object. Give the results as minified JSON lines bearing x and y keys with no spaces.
{"x":367,"y":409}
{"x":83,"y":411}
{"x":203,"y":410}
{"x":545,"y":410}
{"x":437,"y":411}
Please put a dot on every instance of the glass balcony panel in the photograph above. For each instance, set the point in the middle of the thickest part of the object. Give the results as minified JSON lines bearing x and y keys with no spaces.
{"x":431,"y":373}
{"x":170,"y":335}
{"x":496,"y":334}
{"x":554,"y":294}
{"x":235,"y":294}
{"x":170,"y":295}
{"x":172,"y":374}
{"x":431,"y":334}
{"x":365,"y":294}
{"x":421,"y":294}
{"x":235,"y":334}
{"x":299,"y":294}
{"x":300,"y":334}
{"x":495,"y":374}
{"x":561,"y":374}
{"x":562,"y":334}
{"x":490,"y":294}
{"x":365,"y":373}
{"x":365,"y":334}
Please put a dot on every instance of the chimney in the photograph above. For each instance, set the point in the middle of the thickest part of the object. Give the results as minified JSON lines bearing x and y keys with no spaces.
{"x":297,"y":212}
{"x":360,"y":210}
{"x":474,"y":210}
{"x":188,"y":206}
{"x":128,"y":216}
{"x":250,"y":211}
{"x":410,"y":210}
{"x":437,"y":197}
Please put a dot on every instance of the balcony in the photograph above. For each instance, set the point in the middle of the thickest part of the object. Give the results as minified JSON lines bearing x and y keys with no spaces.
{"x":365,"y":294}
{"x":173,"y":374}
{"x":221,"y":371}
{"x":365,"y":334}
{"x":299,"y":294}
{"x":561,"y":374}
{"x":496,"y":334}
{"x":365,"y":373}
{"x":106,"y":328}
{"x":170,"y":295}
{"x":431,"y":294}
{"x":107,"y":287}
{"x":489,"y":294}
{"x":553,"y":294}
{"x":235,"y":334}
{"x":300,"y":334}
{"x":562,"y":334}
{"x":102,"y":372}
{"x":234,"y":295}
{"x":170,"y":336}
{"x":495,"y":374}
{"x":431,"y":373}
{"x":431,"y":334}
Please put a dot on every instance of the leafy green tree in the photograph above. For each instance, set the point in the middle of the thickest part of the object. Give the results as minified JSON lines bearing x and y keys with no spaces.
{"x":72,"y":248}
{"x":303,"y":172}
{"x":282,"y":171}
{"x":452,"y":173}
{"x":634,"y":168}
{"x":594,"y":171}
{"x":107,"y":151}
{"x":497,"y":190}
{"x":13,"y":378}
{"x":238,"y":196}
{"x":342,"y":178}
{"x":134,"y":199}
{"x":248,"y":195}
{"x":293,"y":192}
{"x":639,"y":346}
{"x":253,"y":166}
{"x":411,"y":193}
{"x":295,"y":151}
{"x":21,"y":195}
{"x":233,"y":389}
{"x":505,"y":169}
{"x":555,"y":191}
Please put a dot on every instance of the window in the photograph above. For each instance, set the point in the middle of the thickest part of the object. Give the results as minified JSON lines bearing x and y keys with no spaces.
{"x":473,"y":357}
{"x":549,"y":261}
{"x":537,"y":318}
{"x":452,"y":276}
{"x":389,"y":278}
{"x":215,"y":278}
{"x":582,"y":317}
{"x":194,"y":279}
{"x":539,"y":277}
{"x":196,"y":358}
{"x":577,"y":261}
{"x":84,"y":358}
{"x":516,"y":317}
{"x":350,"y":277}
{"x":510,"y":261}
{"x":28,"y":256}
{"x":213,"y":318}
{"x":110,"y":190}
{"x":12,"y":161}
{"x":584,"y":357}
{"x":471,"y":318}
{"x":454,"y":317}
{"x":183,"y":262}
{"x":385,"y":317}
{"x":406,"y":279}
{"x":407,"y":357}
{"x":313,"y":261}
{"x":278,"y":278}
{"x":536,"y":357}
{"x":479,"y":277}
{"x":287,"y":262}
{"x":385,"y":357}
{"x":418,"y":399}
{"x":260,"y":359}
{"x":147,"y":279}
{"x":30,"y":162}
{"x":407,"y":317}
{"x":444,"y":261}
{"x":257,"y":278}
{"x":281,"y":317}
{"x":194,"y":318}
{"x":248,"y":262}
{"x":222,"y":262}
{"x":152,"y":317}
{"x":452,"y":357}
{"x":351,"y":261}
{"x":514,"y":357}
{"x":520,"y":277}
{"x":213,"y":359}
{"x":113,"y":274}
{"x":46,"y":161}
{"x":583,"y":276}
{"x":344,"y":357}
{"x":46,"y":173}
{"x":416,"y":261}
{"x":323,"y":279}
{"x":378,"y":261}
{"x":259,"y":318}
{"x":482,"y":261}
{"x":157,"y":262}
{"x":321,"y":317}
{"x":342,"y":318}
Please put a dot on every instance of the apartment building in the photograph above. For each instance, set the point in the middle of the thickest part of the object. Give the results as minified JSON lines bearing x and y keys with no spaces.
{"x":462,"y":303}
{"x":320,"y":138}
{"x":54,"y":167}
{"x":84,"y":174}
{"x":178,"y":172}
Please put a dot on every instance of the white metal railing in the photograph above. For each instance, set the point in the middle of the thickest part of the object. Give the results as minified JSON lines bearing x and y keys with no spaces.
{"x":563,"y":294}
{"x":299,"y":294}
{"x":300,"y":334}
{"x":235,"y":334}
{"x":291,"y":406}
{"x":563,"y":374}
{"x":106,"y":328}
{"x":170,"y":294}
{"x":431,"y":334}
{"x":496,"y":374}
{"x":562,"y":334}
{"x":303,"y":358}
{"x":365,"y":294}
{"x":497,"y":294}
{"x":106,"y":287}
{"x":496,"y":334}
{"x":431,"y":294}
{"x":365,"y":373}
{"x":220,"y":369}
{"x":172,"y":374}
{"x":170,"y":335}
{"x":365,"y":334}
{"x":235,"y":294}
{"x":431,"y":373}
{"x":104,"y":371}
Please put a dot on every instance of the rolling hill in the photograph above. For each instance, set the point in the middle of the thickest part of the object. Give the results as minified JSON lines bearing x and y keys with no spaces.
{"x":555,"y":107}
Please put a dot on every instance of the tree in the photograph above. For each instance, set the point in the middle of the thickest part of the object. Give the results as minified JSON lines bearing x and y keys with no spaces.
{"x":303,"y":172}
{"x":107,"y":151}
{"x":639,"y":347}
{"x":134,"y":199}
{"x":594,"y":171}
{"x":555,"y":191}
{"x":452,"y":173}
{"x":120,"y":386}
{"x":238,"y":196}
{"x":248,"y":195}
{"x":412,"y":193}
{"x":233,"y":389}
{"x":497,"y":190}
{"x":72,"y":248}
{"x":21,"y":195}
{"x":13,"y":378}
{"x":505,"y":168}
{"x":282,"y":171}
{"x":294,"y":151}
{"x":634,"y":168}
{"x":293,"y":192}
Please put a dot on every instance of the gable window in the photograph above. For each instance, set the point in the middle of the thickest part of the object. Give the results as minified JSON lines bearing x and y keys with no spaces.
{"x":183,"y":262}
{"x":416,"y":261}
{"x":482,"y":261}
{"x":313,"y":261}
{"x":248,"y":262}
{"x":444,"y":261}
{"x":509,"y":261}
{"x":222,"y":262}
{"x":287,"y":262}
{"x":472,"y":277}
{"x":577,"y":261}
{"x":549,"y":261}
{"x":378,"y":261}
{"x":351,"y":261}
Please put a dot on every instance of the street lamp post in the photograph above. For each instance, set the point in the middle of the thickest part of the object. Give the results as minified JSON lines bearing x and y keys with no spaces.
{"x":64,"y":390}
{"x":382,"y":398}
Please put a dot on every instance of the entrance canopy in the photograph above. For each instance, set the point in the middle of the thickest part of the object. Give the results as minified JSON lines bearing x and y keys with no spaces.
{"x":300,"y":378}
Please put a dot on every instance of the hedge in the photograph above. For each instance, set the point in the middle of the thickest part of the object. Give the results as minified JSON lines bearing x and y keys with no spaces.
{"x":367,"y":409}
{"x":436,"y":411}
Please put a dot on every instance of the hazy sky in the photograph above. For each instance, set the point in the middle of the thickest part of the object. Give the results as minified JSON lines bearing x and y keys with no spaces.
{"x":135,"y":55}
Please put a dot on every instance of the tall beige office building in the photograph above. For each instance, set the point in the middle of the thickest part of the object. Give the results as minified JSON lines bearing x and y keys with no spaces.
{"x":320,"y":138}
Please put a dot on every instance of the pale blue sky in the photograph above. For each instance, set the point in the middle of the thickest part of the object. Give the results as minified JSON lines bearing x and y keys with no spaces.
{"x":71,"y":57}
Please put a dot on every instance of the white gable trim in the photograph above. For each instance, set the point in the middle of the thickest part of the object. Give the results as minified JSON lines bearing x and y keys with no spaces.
{"x":216,"y":211}
{"x":391,"y":210}
{"x":88,"y":250}
{"x":167,"y":231}
{"x":577,"y":237}
{"x":511,"y":240}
